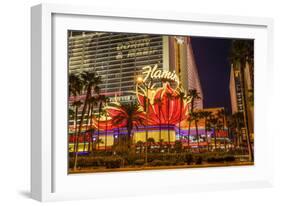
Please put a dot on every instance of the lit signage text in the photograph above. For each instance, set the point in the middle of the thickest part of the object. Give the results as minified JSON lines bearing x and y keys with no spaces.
{"x":156,"y":73}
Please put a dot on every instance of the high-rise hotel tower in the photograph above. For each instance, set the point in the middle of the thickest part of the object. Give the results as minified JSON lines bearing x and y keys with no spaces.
{"x":119,"y":58}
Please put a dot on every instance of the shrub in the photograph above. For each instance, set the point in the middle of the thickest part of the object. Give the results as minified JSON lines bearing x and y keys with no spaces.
{"x":113,"y":162}
{"x":199,"y":160}
{"x":222,"y":158}
{"x":229,"y":158}
{"x":156,"y":163}
{"x":189,"y":159}
{"x":180,"y":163}
{"x":139,"y":162}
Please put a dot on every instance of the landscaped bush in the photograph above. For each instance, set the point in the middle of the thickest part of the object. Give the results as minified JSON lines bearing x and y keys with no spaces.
{"x":180,"y":163}
{"x":113,"y":162}
{"x":100,"y":161}
{"x":220,"y":159}
{"x":198,"y":160}
{"x":188,"y":159}
{"x":157,"y":163}
{"x":139,"y":162}
{"x":229,"y":158}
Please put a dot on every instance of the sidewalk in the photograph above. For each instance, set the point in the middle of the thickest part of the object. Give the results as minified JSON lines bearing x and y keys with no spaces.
{"x":129,"y":169}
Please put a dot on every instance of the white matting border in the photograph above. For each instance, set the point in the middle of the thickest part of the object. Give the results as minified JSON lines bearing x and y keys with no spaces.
{"x":49,"y":103}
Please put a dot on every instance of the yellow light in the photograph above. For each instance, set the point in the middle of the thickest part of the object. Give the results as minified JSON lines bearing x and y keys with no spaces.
{"x":139,"y":79}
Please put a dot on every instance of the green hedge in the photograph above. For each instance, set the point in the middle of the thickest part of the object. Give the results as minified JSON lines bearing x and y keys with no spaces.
{"x":108,"y":161}
{"x":154,"y":159}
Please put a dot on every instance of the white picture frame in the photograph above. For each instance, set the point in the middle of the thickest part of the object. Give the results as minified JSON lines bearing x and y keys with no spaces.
{"x":49,"y":178}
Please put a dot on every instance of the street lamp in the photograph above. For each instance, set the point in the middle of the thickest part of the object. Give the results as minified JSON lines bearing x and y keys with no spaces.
{"x":139,"y":80}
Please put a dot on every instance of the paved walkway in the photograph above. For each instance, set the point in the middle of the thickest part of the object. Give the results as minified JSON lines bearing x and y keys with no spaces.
{"x":97,"y":170}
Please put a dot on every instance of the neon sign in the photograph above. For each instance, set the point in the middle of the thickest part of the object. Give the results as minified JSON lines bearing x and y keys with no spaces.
{"x":156,"y":73}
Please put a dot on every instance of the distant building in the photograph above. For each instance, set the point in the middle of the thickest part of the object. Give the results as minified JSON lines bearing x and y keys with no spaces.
{"x":236,"y":93}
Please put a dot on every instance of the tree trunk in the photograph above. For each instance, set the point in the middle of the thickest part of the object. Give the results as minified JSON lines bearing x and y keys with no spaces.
{"x":206,"y":135}
{"x":180,"y":119}
{"x":215,"y":138}
{"x":160,"y":127}
{"x":197,"y":135}
{"x":105,"y":140}
{"x":86,"y":129}
{"x":90,"y":141}
{"x":98,"y":137}
{"x":169,"y":140}
{"x":76,"y":134}
{"x":189,"y":122}
{"x":81,"y":124}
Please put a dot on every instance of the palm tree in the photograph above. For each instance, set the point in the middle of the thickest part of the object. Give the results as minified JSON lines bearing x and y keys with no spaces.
{"x":91,"y":84}
{"x":161,"y":144}
{"x":215,"y":123}
{"x":76,"y":105}
{"x":105,"y":140}
{"x":230,"y":129}
{"x":87,"y":125}
{"x":75,"y":85}
{"x":182,"y":97}
{"x":221,"y":115}
{"x":242,"y":52}
{"x":101,"y":100}
{"x":150,"y":141}
{"x":194,"y":95}
{"x":140,"y":145}
{"x":131,"y":116}
{"x":196,"y":116}
{"x":206,"y":115}
{"x":169,"y":97}
{"x":92,"y":102}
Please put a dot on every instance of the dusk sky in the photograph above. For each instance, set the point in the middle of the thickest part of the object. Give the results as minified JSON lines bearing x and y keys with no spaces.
{"x":211,"y":57}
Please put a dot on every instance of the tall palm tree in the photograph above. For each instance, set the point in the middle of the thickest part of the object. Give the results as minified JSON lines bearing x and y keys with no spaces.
{"x":206,"y":115}
{"x":231,"y":130}
{"x":76,"y":105}
{"x":216,"y":124}
{"x":103,"y":113}
{"x":169,"y":97}
{"x":75,"y":85}
{"x":196,"y":116}
{"x":91,"y":82}
{"x":106,"y":126}
{"x":93,"y":102}
{"x":101,"y":101}
{"x":85,"y":134}
{"x":194,"y":95}
{"x":182,"y":97}
{"x":241,"y":53}
{"x":221,"y":115}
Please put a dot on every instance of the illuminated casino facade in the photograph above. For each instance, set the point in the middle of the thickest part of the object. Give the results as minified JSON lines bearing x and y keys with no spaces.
{"x":119,"y":58}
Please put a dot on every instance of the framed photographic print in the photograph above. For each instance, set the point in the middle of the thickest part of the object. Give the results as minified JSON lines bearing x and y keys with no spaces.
{"x":133,"y":102}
